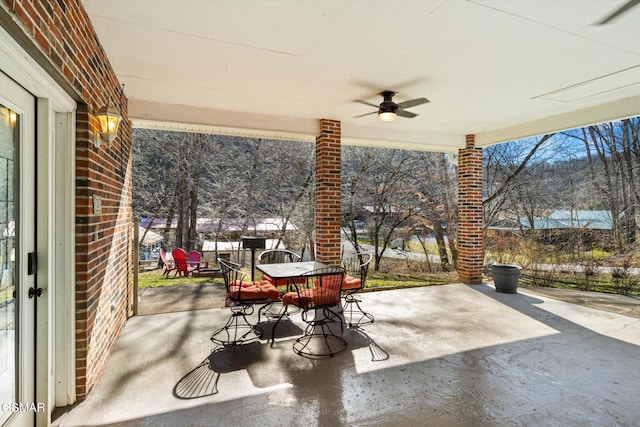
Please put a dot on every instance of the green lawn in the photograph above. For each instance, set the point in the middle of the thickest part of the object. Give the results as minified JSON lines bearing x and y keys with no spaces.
{"x":154,"y":278}
{"x":378,"y":280}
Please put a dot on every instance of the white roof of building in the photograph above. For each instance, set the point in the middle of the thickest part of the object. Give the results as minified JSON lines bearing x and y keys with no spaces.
{"x":229,"y":246}
{"x":151,"y":238}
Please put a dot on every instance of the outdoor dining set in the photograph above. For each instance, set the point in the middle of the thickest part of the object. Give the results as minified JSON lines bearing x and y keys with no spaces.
{"x":322,"y":294}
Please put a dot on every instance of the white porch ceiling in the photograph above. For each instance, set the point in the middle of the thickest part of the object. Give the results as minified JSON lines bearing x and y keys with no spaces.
{"x":499,"y":69}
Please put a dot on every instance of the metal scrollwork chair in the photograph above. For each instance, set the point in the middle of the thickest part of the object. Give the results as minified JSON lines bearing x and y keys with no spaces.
{"x":278,"y":256}
{"x":316,"y":298}
{"x":274,"y":256}
{"x":241,"y":296}
{"x":356,"y":268}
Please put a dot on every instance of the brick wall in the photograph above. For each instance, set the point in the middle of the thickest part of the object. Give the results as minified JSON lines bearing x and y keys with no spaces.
{"x":328,"y":173}
{"x":470,"y":245}
{"x":60,"y":37}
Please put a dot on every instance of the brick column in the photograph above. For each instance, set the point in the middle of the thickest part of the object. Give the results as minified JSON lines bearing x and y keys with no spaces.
{"x":328,"y":182}
{"x":470,"y":247}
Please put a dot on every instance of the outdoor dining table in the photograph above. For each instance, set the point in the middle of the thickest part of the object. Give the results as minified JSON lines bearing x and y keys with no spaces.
{"x":288,"y":272}
{"x":318,"y":330}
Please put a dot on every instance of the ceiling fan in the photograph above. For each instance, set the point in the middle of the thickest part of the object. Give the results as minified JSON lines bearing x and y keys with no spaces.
{"x":621,"y":10}
{"x":388,"y":110}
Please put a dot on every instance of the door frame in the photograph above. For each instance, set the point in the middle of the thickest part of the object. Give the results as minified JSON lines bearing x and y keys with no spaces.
{"x":24,"y":214}
{"x":55,"y":227}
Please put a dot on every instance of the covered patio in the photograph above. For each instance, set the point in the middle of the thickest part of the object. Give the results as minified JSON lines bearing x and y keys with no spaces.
{"x":459,"y":75}
{"x":493,"y":71}
{"x":441,"y":355}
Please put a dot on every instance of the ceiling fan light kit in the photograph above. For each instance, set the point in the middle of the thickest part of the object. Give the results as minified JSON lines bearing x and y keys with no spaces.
{"x":388,"y":110}
{"x":387,"y":116}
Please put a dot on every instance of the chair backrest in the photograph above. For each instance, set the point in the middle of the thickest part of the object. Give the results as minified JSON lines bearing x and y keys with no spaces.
{"x":231,"y":274}
{"x":326,"y":284}
{"x":275,"y":256}
{"x":357,"y":266}
{"x":163,"y":256}
{"x":179,"y":259}
{"x":194,"y":257}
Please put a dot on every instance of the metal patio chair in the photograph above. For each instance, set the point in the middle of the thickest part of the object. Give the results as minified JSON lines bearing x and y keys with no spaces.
{"x":278,"y":256}
{"x":241,"y":296}
{"x":319,"y":300}
{"x":356,"y":268}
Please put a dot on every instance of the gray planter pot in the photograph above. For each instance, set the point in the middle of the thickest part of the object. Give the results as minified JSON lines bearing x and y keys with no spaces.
{"x":506,"y":277}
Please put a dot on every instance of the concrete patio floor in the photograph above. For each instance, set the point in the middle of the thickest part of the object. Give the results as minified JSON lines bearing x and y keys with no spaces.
{"x":436,"y":356}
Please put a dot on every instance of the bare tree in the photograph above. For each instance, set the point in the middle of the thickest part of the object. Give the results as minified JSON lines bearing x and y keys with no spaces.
{"x":289,"y":189}
{"x":155,"y":173}
{"x":379,"y":182}
{"x":613,"y":155}
{"x":503,"y":165}
{"x":190,"y":156}
{"x":448,"y":189}
{"x":434,"y":189}
{"x":168,"y":168}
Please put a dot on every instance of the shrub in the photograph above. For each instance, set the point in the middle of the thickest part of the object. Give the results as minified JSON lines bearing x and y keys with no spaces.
{"x":624,"y":282}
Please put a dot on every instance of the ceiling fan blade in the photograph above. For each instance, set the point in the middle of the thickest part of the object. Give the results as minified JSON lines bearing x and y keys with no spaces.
{"x":367,"y":103}
{"x":366,"y":114}
{"x":625,"y":8}
{"x":414,"y":102}
{"x":407,"y":114}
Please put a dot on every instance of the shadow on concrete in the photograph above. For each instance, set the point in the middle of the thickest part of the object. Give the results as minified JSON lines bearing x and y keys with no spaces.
{"x":446,"y":355}
{"x":170,"y":299}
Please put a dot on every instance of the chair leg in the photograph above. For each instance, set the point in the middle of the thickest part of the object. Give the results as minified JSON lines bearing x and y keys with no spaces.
{"x":352,"y":310}
{"x":237,"y":330}
{"x":275,"y":310}
{"x":273,"y":331}
{"x":334,"y":316}
{"x":319,"y":340}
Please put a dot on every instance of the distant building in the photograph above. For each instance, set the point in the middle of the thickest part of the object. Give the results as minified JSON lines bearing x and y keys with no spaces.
{"x":560,"y":226}
{"x":230,"y":230}
{"x":559,"y":220}
{"x":585,"y":219}
{"x":232,"y":249}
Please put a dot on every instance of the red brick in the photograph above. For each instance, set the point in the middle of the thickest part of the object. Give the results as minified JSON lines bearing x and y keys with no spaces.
{"x":470,"y":245}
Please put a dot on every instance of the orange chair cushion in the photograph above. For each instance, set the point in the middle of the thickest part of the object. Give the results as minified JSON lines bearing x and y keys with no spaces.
{"x":331,"y":282}
{"x":351,"y":282}
{"x":283,"y":282}
{"x":254,"y":290}
{"x":270,"y":291}
{"x":245,"y":283}
{"x":302,"y":300}
{"x":307,"y":296}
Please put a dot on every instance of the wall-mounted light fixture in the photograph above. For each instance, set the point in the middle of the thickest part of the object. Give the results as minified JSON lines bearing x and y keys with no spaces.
{"x":109,"y":119}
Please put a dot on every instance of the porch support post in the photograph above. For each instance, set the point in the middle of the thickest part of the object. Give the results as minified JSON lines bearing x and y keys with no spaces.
{"x":328,"y":182}
{"x":470,"y":245}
